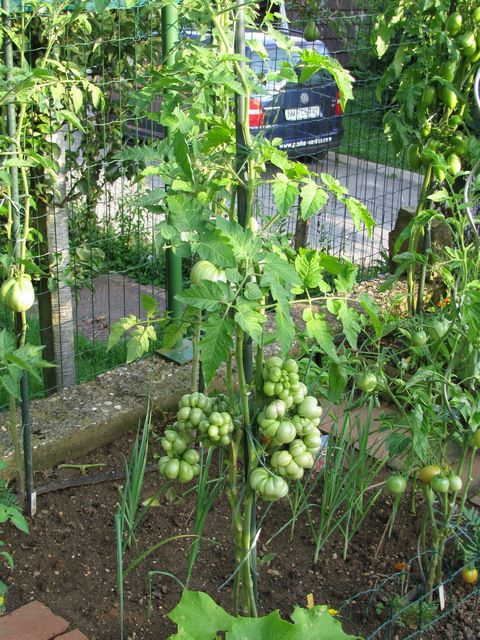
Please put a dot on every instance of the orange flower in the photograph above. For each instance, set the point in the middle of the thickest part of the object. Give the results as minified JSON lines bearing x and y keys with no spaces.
{"x":400,"y":566}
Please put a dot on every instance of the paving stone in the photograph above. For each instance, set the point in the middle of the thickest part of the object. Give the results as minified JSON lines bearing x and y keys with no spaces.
{"x":73,"y":635}
{"x":34,"y":621}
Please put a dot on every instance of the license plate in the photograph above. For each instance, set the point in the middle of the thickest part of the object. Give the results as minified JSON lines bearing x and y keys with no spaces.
{"x":303,"y":113}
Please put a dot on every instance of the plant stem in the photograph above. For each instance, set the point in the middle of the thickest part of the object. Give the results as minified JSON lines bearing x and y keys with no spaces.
{"x":413,"y":242}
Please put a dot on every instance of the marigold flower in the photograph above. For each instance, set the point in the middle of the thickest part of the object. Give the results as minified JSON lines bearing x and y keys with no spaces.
{"x":332,"y":612}
{"x":400,"y":566}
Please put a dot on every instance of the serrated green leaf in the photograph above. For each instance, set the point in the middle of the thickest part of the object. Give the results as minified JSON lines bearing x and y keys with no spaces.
{"x":285,"y":327}
{"x":347,"y":277}
{"x":71,"y":118}
{"x":212,"y":247}
{"x":119,"y":328}
{"x":372,"y":310}
{"x":361,"y":216}
{"x":244,"y":244}
{"x":148,"y":304}
{"x":318,"y":329}
{"x":337,"y":381}
{"x":309,"y":268}
{"x":173,"y":333}
{"x":315,"y":62}
{"x":76,"y":96}
{"x":185,"y":212}
{"x":312,"y":199}
{"x":180,"y":150}
{"x":250,"y":319}
{"x":215,"y":344}
{"x":252,"y":291}
{"x":138,"y":343}
{"x":285,"y":193}
{"x":207,"y":295}
{"x":334,"y":185}
{"x":11,"y":385}
{"x":350,"y":323}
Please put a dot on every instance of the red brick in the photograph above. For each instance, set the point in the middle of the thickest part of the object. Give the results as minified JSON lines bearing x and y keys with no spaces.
{"x":34,"y":621}
{"x":73,"y":635}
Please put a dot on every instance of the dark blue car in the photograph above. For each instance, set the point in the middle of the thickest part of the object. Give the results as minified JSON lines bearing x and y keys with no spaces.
{"x":306,"y":116}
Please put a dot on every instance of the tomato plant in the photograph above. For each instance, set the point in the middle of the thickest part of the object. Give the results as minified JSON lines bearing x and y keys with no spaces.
{"x":469,"y":575}
{"x":367,"y":382}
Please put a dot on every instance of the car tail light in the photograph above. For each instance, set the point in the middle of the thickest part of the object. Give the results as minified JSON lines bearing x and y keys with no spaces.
{"x":338,"y":106}
{"x":257,"y":115}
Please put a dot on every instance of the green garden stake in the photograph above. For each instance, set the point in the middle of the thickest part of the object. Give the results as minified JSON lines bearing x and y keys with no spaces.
{"x":182,"y":352}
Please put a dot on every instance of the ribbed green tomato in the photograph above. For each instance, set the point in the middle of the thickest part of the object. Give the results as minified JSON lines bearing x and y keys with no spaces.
{"x":439,"y":172}
{"x":476,"y":15}
{"x":205,"y":270}
{"x":17,"y":294}
{"x":185,"y":472}
{"x":172,"y":468}
{"x":309,"y":408}
{"x":286,"y":432}
{"x":396,"y":484}
{"x":191,"y":456}
{"x":275,"y":409}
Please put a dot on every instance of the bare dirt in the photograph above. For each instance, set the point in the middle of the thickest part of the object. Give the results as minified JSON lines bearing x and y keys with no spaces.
{"x":68,"y":562}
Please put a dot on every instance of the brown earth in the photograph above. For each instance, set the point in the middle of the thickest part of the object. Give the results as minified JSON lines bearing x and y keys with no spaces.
{"x":68,"y":562}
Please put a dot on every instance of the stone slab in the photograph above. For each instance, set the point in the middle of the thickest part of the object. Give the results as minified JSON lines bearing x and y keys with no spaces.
{"x":33,"y":621}
{"x":73,"y":635}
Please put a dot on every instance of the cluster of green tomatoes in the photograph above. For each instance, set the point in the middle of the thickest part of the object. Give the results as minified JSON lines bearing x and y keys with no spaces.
{"x":289,"y":428}
{"x":199,"y":418}
{"x":462,"y":34}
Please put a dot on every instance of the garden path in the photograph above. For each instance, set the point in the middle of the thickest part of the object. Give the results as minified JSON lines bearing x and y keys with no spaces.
{"x":35,"y":621}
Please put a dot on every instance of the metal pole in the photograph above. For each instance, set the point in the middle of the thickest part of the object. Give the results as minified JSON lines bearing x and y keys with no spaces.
{"x":183,"y":351}
{"x":30,"y":496}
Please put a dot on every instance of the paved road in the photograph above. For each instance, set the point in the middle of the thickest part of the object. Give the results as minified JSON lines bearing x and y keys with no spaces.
{"x":383,"y":189}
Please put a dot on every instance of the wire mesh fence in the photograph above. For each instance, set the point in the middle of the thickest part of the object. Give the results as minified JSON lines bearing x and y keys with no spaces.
{"x":399,"y":607}
{"x":92,"y":230}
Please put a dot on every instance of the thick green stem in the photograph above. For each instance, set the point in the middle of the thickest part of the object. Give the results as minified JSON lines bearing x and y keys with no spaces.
{"x":468,"y":480}
{"x":196,"y":351}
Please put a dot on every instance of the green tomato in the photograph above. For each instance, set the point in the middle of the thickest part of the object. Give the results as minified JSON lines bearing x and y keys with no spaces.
{"x":185,"y":472}
{"x":311,"y":32}
{"x":414,"y":160}
{"x":455,"y":483}
{"x":281,"y":459}
{"x":205,"y":270}
{"x":439,"y":172}
{"x":196,"y":416}
{"x":275,"y":409}
{"x":454,"y":164}
{"x":440,"y":484}
{"x":269,"y":388}
{"x":448,"y":97}
{"x":17,"y":294}
{"x":257,"y":476}
{"x":476,"y":16}
{"x":274,"y":361}
{"x":290,"y":365}
{"x":428,"y":96}
{"x":191,"y":456}
{"x":172,"y":468}
{"x":367,"y":382}
{"x":441,"y":327}
{"x":460,"y":144}
{"x":469,"y":575}
{"x":396,"y":484}
{"x":454,"y":24}
{"x":447,"y":70}
{"x":286,"y":432}
{"x":467,"y":43}
{"x":476,"y":438}
{"x":419,"y":338}
{"x":309,"y":408}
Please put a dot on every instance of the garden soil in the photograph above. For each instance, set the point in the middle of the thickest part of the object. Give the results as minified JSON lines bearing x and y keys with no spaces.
{"x":68,"y":561}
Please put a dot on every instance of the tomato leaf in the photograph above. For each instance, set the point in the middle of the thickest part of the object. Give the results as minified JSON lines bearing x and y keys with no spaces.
{"x":285,"y":193}
{"x":216,"y":344}
{"x":313,"y":199}
{"x":208,"y":295}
